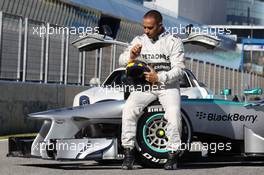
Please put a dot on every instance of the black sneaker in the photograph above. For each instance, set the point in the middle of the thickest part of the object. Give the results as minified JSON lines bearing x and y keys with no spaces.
{"x":172,"y":163}
{"x":128,"y":160}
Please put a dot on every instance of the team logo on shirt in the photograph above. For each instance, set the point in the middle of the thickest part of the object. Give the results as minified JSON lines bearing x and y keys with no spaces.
{"x":161,"y":66}
{"x":155,"y":56}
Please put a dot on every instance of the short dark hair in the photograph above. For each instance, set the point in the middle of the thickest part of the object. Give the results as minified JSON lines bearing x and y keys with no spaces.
{"x":154,"y":14}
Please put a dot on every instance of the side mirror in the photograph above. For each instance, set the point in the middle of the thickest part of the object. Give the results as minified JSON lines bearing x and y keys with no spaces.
{"x":254,"y":91}
{"x":225,"y":92}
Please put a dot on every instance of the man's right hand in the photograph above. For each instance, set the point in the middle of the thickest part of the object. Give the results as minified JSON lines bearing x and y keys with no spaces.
{"x":134,"y":52}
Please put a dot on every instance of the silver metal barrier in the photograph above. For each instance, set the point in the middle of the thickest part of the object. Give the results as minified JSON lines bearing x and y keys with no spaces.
{"x":27,"y":56}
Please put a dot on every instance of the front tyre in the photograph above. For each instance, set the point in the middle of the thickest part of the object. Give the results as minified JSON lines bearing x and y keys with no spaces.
{"x":152,"y":140}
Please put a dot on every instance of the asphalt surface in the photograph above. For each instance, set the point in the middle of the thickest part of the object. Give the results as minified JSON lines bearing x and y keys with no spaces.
{"x":30,"y":166}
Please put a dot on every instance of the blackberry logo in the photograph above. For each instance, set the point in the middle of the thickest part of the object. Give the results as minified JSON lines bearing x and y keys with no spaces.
{"x":201,"y":115}
{"x":226,"y":117}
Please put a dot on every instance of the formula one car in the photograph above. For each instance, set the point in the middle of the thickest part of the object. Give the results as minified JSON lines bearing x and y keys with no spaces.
{"x":210,"y":127}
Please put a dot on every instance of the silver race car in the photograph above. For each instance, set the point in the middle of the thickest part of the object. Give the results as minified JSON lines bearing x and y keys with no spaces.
{"x":211,"y":129}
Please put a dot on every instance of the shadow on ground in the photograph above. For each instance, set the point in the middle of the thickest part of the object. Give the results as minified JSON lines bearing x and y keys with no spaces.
{"x":117,"y":166}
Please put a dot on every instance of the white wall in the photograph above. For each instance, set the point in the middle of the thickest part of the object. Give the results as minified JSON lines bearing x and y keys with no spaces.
{"x":169,"y":7}
{"x":209,"y":12}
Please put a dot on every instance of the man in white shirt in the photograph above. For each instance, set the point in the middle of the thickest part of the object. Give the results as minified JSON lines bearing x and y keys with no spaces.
{"x":164,"y":52}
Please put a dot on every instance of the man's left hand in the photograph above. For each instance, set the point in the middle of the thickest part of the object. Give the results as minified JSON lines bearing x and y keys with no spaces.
{"x":151,"y":76}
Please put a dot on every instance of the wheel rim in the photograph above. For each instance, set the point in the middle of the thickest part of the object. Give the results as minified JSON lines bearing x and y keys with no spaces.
{"x":157,"y":123}
{"x":154,"y":133}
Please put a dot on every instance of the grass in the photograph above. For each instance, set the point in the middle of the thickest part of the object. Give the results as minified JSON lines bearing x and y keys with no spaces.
{"x":17,"y":135}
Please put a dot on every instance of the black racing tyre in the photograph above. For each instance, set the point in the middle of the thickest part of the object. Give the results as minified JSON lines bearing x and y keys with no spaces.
{"x":152,"y":140}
